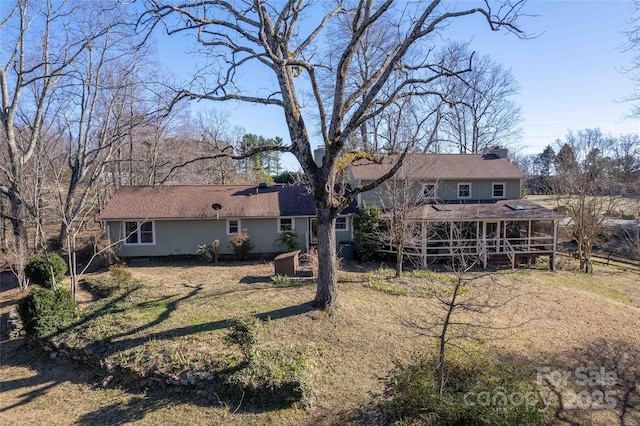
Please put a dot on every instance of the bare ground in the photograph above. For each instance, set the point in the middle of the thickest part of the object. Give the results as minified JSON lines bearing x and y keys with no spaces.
{"x":567,"y":321}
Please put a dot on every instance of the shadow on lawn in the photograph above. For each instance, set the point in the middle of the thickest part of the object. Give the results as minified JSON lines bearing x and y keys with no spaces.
{"x":275,"y":314}
{"x":616,"y":357}
{"x":50,"y":373}
{"x":579,"y":395}
{"x":54,"y":372}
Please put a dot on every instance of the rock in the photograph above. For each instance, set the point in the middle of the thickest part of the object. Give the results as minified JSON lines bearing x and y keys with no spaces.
{"x":88,"y":351}
{"x":107,"y":380}
{"x":53,"y":355}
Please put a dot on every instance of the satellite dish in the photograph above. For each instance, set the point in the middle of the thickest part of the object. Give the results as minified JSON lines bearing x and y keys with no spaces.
{"x":216,"y":206}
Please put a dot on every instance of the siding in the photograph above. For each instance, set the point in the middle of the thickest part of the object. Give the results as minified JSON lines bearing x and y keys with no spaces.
{"x":184,"y":236}
{"x":448,"y":190}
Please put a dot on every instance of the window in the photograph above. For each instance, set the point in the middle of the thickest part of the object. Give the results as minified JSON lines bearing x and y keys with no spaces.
{"x":233,"y":226}
{"x":342,"y":224}
{"x":498,"y":190}
{"x":139,"y":233}
{"x":464,"y":190}
{"x":429,"y":191}
{"x":285,"y":224}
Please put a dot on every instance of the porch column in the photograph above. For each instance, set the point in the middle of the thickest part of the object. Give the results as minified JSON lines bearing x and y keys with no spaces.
{"x":424,"y":244}
{"x":484,"y":244}
{"x":552,"y":257}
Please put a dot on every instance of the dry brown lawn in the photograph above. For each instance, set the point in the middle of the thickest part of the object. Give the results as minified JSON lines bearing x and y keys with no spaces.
{"x":568,"y":320}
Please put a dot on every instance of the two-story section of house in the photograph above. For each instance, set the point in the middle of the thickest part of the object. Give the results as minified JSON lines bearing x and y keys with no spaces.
{"x":465,"y":204}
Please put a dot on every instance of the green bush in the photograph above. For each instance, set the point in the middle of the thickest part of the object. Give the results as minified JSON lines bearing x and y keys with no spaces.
{"x":281,"y":280}
{"x":39,"y":269}
{"x":44,"y":311}
{"x":366,"y":223}
{"x":275,"y":377}
{"x":475,"y":394}
{"x":289,"y":240}
{"x":204,"y":253}
{"x":240,"y":244}
{"x":245,"y":332}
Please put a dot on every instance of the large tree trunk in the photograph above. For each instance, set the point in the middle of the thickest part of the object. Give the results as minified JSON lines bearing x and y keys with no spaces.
{"x":326,"y":291}
{"x":18,"y":219}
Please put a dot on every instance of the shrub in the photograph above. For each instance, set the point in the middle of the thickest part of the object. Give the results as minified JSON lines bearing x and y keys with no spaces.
{"x":119,"y":280}
{"x":288,"y":239}
{"x":245,"y":332}
{"x":120,"y":275}
{"x":275,"y":377}
{"x":39,"y":269}
{"x":366,"y":224}
{"x":53,"y":243}
{"x":204,"y":253}
{"x":414,"y":396}
{"x":240,"y":244}
{"x":281,"y":280}
{"x":44,"y":311}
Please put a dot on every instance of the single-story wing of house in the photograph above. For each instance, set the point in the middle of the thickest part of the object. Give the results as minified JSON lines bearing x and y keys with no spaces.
{"x":146,"y":221}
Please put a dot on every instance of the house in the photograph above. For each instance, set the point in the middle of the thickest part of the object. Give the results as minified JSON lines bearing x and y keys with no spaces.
{"x":466,"y":204}
{"x":173,"y":220}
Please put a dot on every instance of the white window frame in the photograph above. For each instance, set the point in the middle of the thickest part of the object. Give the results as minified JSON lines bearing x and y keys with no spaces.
{"x":346,"y":223}
{"x":493,"y":190}
{"x":424,"y":191}
{"x":229,"y":224}
{"x":139,"y":223}
{"x":470,"y":190}
{"x":293,"y":224}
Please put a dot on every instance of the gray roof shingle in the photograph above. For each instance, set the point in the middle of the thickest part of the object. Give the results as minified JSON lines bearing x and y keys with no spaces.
{"x":441,"y":167}
{"x":195,"y":202}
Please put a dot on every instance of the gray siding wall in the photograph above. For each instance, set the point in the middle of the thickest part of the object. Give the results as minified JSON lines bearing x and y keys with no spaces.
{"x":448,"y":190}
{"x":184,"y":236}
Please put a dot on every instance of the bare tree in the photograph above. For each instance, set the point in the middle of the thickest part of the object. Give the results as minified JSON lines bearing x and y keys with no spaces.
{"x":480,"y":113}
{"x":237,"y":34}
{"x":626,"y":156}
{"x":40,"y":44}
{"x":585,"y":187}
{"x":463,"y":301}
{"x":216,"y":135}
{"x":94,"y":107}
{"x":633,"y":45}
{"x":401,"y":198}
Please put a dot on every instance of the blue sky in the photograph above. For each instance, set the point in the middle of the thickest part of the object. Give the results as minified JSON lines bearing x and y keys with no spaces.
{"x":568,"y":75}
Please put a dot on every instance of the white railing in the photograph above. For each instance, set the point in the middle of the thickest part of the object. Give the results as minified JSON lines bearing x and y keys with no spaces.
{"x":509,"y":250}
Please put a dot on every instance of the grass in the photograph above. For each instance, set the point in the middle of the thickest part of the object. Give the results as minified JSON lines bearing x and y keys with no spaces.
{"x":176,"y":319}
{"x":387,"y":287}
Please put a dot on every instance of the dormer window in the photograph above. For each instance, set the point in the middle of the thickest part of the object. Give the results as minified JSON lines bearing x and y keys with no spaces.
{"x":464,"y":190}
{"x":498,"y":190}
